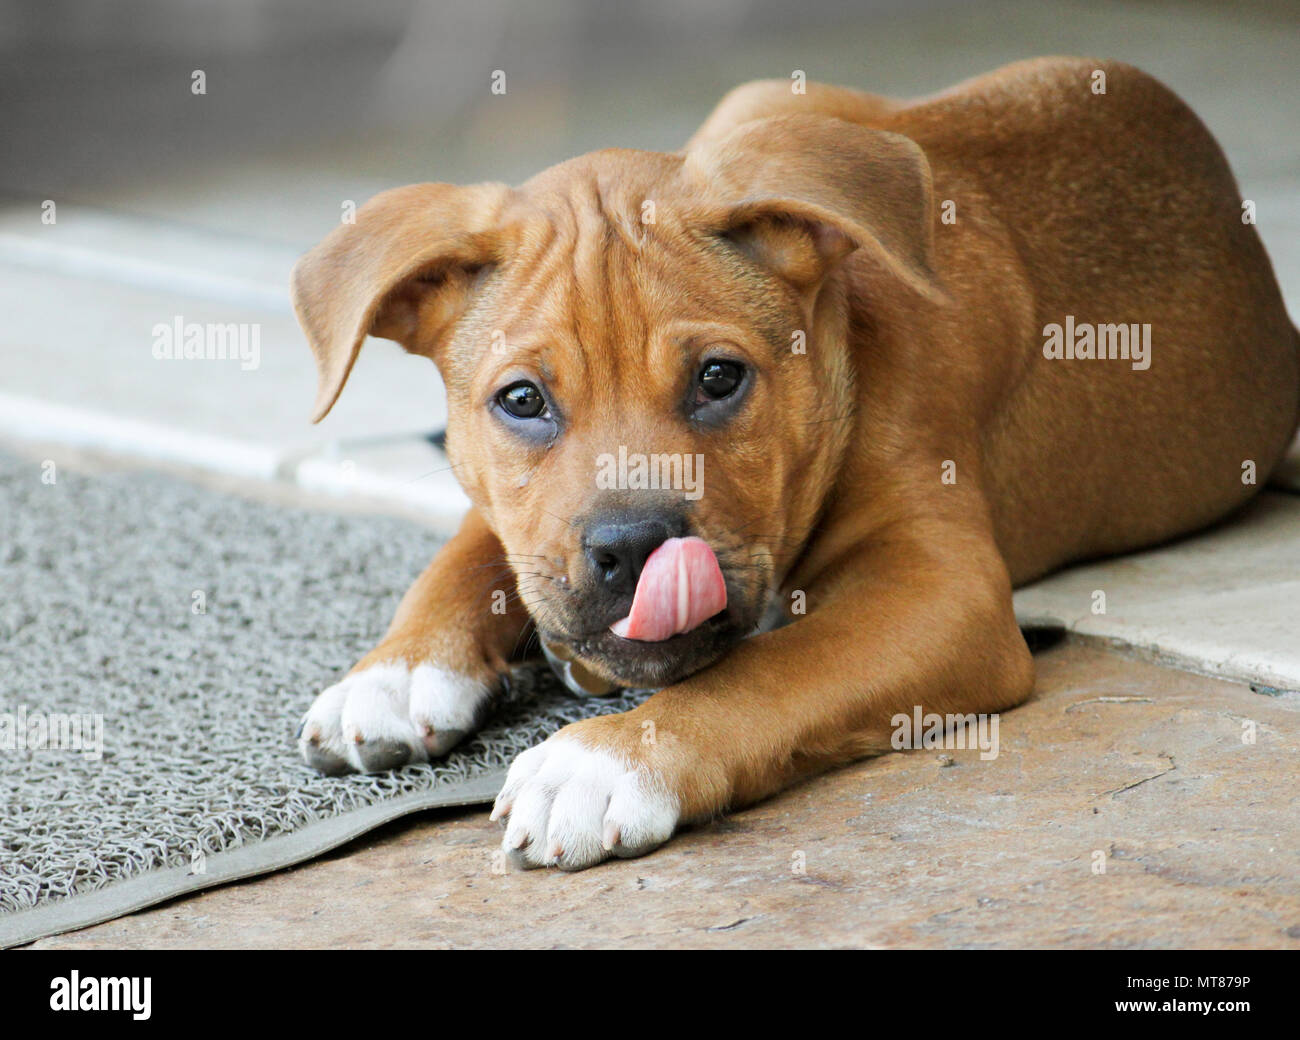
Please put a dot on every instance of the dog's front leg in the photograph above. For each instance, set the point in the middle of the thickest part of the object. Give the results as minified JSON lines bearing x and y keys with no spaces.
{"x":433,"y":677}
{"x":916,"y":618}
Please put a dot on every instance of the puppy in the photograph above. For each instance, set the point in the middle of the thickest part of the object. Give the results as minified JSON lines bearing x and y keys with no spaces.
{"x":886,"y":360}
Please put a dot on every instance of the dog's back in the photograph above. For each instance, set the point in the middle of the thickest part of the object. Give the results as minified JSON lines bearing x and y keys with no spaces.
{"x":1123,"y":215}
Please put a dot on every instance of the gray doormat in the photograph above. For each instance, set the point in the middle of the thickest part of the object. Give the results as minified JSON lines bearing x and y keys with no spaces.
{"x":196,"y":628}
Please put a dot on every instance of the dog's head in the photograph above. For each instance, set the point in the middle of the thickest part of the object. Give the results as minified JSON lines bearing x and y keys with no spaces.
{"x":638,"y":347}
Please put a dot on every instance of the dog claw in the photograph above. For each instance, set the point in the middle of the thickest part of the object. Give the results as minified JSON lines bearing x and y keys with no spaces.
{"x":324,"y":762}
{"x":438,"y":742}
{"x":378,"y":756}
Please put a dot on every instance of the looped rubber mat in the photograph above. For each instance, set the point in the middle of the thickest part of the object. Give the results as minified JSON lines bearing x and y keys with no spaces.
{"x":195,"y":628}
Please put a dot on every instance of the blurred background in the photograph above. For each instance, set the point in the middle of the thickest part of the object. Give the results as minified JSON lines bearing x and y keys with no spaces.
{"x":193,"y":148}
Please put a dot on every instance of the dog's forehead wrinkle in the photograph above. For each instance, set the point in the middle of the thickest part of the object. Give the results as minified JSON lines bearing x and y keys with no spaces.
{"x":605,"y":305}
{"x":533,"y":295}
{"x":621,"y":175}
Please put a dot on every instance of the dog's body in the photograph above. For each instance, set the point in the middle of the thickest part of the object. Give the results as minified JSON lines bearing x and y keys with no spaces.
{"x":899,"y":448}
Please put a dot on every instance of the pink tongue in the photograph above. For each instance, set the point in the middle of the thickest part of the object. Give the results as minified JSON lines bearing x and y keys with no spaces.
{"x":680,"y":586}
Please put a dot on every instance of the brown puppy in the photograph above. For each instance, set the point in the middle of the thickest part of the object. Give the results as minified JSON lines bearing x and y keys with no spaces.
{"x":877,"y":324}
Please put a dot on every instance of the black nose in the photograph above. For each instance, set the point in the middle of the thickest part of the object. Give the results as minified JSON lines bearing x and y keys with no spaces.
{"x":617,"y":550}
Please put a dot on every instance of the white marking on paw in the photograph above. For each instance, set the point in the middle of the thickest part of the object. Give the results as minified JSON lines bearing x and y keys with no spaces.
{"x":445,"y":700}
{"x":389,"y":715}
{"x":571,"y":806}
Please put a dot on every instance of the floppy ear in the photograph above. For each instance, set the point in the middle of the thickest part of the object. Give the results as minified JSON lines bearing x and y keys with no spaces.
{"x":801,"y":192}
{"x":403,"y":271}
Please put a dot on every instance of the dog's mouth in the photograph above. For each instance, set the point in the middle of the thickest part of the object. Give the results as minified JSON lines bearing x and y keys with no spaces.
{"x":680,"y":587}
{"x":640,"y":664}
{"x":683,"y":616}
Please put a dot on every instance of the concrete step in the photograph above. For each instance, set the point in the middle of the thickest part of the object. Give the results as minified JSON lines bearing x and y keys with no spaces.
{"x":1225,"y":602}
{"x":95,"y":298}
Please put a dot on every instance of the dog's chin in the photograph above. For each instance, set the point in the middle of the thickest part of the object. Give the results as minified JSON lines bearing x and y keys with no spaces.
{"x":634,"y":664}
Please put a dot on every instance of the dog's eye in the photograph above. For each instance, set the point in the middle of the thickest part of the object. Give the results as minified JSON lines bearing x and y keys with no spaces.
{"x":522,"y":400}
{"x":718,"y":380}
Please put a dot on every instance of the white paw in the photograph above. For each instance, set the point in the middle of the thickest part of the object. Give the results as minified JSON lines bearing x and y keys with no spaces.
{"x":390,"y":715}
{"x":569,"y":806}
